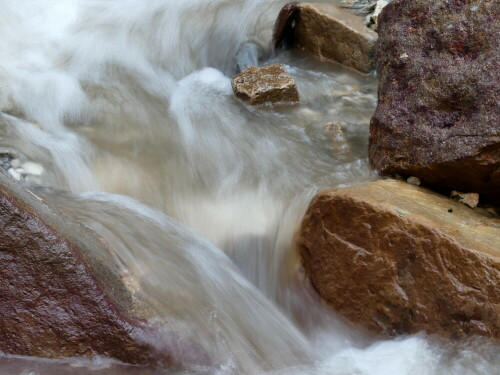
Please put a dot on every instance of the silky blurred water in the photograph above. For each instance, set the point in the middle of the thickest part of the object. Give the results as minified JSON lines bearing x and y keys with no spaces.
{"x":127,"y":105}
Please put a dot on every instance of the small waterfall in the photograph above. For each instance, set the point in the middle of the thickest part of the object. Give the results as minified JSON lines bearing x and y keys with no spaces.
{"x":128,"y":106}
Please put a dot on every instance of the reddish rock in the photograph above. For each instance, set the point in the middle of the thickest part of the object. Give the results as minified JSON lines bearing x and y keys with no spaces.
{"x":396,"y":258}
{"x":60,"y":295}
{"x":438,"y":113}
{"x":326,"y":32}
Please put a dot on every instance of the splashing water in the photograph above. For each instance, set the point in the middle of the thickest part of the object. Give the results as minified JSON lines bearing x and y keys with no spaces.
{"x":128,"y":106}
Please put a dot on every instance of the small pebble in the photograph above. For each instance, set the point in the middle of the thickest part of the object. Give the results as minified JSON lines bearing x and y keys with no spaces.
{"x":414,"y":181}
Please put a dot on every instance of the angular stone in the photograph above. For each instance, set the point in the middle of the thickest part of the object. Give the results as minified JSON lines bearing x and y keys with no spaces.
{"x":327,"y":32}
{"x":396,"y":258}
{"x":61,"y":294}
{"x":438,"y":111}
{"x":265,"y":85}
{"x":469,"y":199}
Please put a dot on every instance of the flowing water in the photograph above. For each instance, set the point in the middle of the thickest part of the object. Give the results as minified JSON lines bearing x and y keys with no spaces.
{"x":126,"y":108}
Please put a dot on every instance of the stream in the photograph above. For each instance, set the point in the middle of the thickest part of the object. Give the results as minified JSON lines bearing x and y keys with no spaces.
{"x":126,"y":109}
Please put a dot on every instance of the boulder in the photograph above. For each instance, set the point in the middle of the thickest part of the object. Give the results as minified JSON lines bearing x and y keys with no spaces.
{"x":265,"y":85}
{"x":399,"y":259}
{"x":61,"y":293}
{"x":326,"y":32}
{"x":438,"y":110}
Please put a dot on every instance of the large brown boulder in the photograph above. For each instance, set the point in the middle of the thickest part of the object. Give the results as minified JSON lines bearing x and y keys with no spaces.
{"x":396,"y":258}
{"x":61,"y":294}
{"x":326,"y":32}
{"x":438,"y":114}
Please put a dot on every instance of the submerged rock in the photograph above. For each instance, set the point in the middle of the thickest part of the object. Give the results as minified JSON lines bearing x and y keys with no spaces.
{"x":438,"y":111}
{"x":327,"y":32}
{"x":61,"y":294}
{"x":397,"y":258}
{"x":338,"y":143}
{"x":265,"y":85}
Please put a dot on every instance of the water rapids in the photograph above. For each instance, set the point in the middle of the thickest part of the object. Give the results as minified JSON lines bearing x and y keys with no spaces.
{"x":127,"y":105}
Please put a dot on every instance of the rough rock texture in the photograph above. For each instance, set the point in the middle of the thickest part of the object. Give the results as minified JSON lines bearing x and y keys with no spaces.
{"x":469,"y":199}
{"x":59,"y":294}
{"x":327,"y":32}
{"x":438,"y":114}
{"x":267,"y":85}
{"x":393,"y":258}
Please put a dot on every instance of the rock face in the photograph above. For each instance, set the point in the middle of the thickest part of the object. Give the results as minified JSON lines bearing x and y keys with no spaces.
{"x":438,"y":114}
{"x":59,"y":294}
{"x":396,"y":258}
{"x":267,"y":85}
{"x":327,"y":32}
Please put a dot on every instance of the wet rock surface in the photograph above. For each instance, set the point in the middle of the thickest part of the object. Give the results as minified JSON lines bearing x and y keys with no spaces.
{"x":265,"y":85}
{"x":397,"y":258}
{"x":326,"y":32}
{"x":438,"y":112}
{"x":60,"y":295}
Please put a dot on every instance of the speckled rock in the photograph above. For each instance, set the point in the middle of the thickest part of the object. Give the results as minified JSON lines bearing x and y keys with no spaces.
{"x":396,"y":258}
{"x":326,"y":32}
{"x":438,"y":113}
{"x":61,"y":292}
{"x":265,"y":85}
